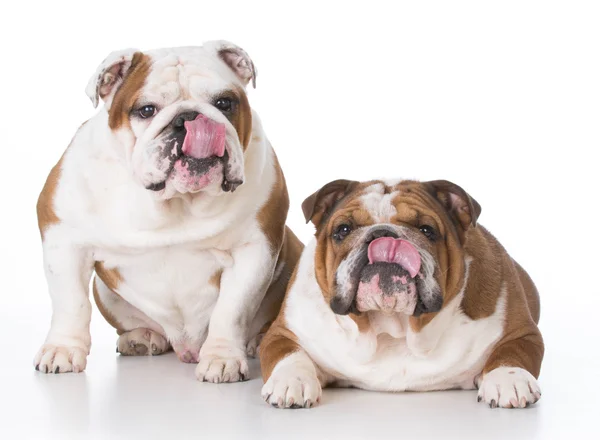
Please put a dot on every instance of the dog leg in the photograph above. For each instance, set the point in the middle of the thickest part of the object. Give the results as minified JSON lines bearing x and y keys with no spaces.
{"x":509,"y":376}
{"x":68,"y":271}
{"x":243,"y":286}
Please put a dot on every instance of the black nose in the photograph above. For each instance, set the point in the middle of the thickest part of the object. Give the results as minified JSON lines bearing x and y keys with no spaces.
{"x":180,"y":119}
{"x":378,"y":233}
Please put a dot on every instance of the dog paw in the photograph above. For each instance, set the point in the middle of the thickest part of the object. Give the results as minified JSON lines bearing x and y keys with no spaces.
{"x":253,"y":345}
{"x":509,"y":387}
{"x":292,"y":387}
{"x":60,"y":359}
{"x":222,"y":364}
{"x":142,"y":342}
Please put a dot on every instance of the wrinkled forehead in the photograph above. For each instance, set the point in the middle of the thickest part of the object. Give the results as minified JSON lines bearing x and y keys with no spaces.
{"x":384,"y":202}
{"x":186,"y":73}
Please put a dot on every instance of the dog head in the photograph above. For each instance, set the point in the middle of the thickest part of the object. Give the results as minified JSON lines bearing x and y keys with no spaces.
{"x":390,"y":248}
{"x":180,"y":114}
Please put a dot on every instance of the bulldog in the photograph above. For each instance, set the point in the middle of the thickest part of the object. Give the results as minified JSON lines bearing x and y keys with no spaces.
{"x":402,"y":290}
{"x":174,"y":196}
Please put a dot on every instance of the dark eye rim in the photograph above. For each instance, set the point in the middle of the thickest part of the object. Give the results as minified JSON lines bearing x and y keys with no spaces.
{"x":428,"y":231}
{"x":139,"y":109}
{"x":233,"y":101}
{"x":339,"y":235}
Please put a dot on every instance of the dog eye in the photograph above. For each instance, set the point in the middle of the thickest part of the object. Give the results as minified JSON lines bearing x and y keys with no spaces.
{"x":224,"y":104}
{"x":428,"y":232}
{"x":341,"y":232}
{"x":147,"y":111}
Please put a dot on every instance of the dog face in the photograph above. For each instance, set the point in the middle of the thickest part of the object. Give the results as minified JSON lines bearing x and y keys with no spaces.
{"x":390,"y":248}
{"x":181,"y":115}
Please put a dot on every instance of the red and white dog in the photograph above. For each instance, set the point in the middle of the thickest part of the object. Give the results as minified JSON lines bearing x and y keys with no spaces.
{"x":402,"y":290}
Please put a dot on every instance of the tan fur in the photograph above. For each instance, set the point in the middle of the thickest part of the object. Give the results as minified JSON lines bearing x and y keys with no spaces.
{"x":362,"y":322}
{"x":128,"y":93}
{"x":45,"y":204}
{"x":242,"y":119}
{"x":215,"y":279}
{"x":273,"y":213}
{"x":283,"y":241}
{"x":278,"y":342}
{"x":112,"y":279}
{"x":104,"y":311}
{"x":288,"y":256}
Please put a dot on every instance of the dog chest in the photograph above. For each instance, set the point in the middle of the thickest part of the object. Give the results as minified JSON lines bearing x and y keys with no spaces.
{"x":166,"y":283}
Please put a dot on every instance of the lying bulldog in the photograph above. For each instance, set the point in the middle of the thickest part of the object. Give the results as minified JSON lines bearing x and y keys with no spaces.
{"x":401,"y":290}
{"x":174,"y":196}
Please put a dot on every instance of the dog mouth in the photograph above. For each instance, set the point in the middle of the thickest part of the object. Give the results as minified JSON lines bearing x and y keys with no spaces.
{"x":196,"y":158}
{"x":387,"y":287}
{"x":387,"y":277}
{"x":388,"y":282}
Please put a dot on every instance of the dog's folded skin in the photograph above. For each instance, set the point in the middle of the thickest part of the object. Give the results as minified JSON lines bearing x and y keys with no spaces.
{"x":401,"y":290}
{"x":173,"y":195}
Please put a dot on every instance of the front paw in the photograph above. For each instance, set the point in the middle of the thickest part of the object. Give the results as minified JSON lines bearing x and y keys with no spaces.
{"x":222,"y":363}
{"x":509,"y":387}
{"x":291,"y":387}
{"x":60,"y":359}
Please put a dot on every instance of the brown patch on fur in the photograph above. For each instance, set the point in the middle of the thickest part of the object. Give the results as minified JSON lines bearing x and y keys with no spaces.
{"x":362,"y":322}
{"x":215,"y":279}
{"x":272,"y":215}
{"x":279,"y":341}
{"x":242,"y":118}
{"x":111,"y":277}
{"x":288,"y":257}
{"x":45,"y":204}
{"x":277,"y":344}
{"x":128,"y":92}
{"x":521,"y":344}
{"x":286,"y":246}
{"x":110,"y":318}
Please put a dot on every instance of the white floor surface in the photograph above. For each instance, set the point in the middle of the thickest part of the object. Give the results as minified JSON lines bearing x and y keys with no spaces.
{"x":158,"y":397}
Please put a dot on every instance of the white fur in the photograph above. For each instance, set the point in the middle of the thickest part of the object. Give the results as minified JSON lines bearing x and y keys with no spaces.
{"x":166,"y":246}
{"x":448,"y":353}
{"x":293,"y":382}
{"x":378,"y":204}
{"x":509,"y":387}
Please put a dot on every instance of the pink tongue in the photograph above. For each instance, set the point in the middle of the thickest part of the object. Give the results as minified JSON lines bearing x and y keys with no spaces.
{"x":204,"y":138}
{"x":394,"y":250}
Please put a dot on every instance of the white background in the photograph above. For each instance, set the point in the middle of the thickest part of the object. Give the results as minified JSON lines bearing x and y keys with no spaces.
{"x":502,"y":98}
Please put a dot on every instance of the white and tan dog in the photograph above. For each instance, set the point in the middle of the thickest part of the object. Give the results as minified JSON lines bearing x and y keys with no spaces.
{"x":402,"y":290}
{"x":144,"y":195}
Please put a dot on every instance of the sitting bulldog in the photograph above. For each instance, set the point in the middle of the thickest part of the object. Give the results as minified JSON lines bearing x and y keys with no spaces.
{"x":173,"y":196}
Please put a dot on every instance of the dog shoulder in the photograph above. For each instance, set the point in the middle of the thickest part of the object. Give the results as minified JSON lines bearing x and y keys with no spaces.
{"x":273,"y":212}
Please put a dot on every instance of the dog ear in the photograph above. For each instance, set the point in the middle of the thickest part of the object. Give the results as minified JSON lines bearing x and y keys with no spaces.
{"x":236,"y":58}
{"x":109,"y":75}
{"x":463,"y":208}
{"x":319,"y":204}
